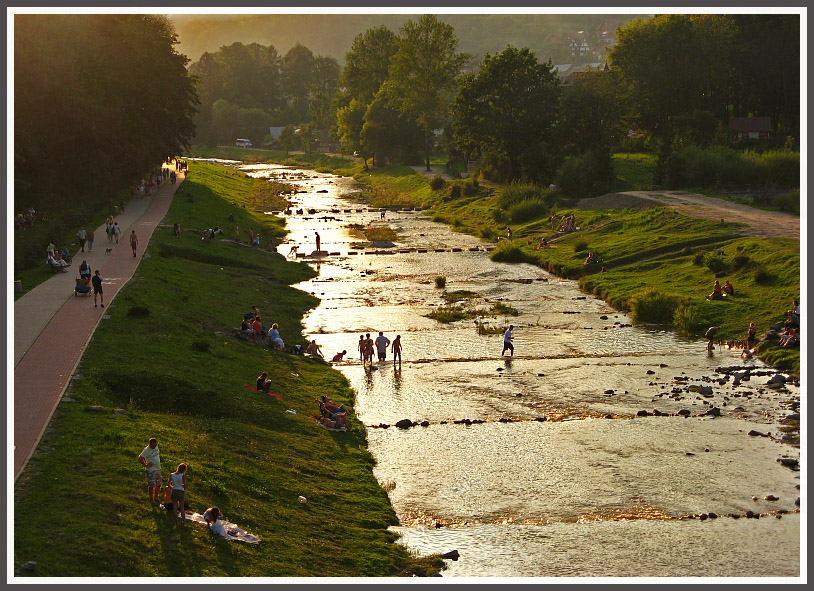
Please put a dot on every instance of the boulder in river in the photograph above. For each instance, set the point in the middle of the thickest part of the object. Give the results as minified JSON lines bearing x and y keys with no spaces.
{"x":404,"y":424}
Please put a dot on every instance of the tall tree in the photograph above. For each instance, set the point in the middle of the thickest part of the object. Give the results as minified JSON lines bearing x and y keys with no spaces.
{"x":323,"y":91}
{"x":297,"y":69}
{"x":367,"y":64}
{"x":424,"y":73}
{"x":99,"y":100}
{"x":507,"y":109}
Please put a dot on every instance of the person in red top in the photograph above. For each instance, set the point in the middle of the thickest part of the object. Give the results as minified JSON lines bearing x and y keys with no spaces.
{"x":257,"y":326}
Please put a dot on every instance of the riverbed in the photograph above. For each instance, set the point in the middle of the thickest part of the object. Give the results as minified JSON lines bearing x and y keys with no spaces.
{"x":569,"y":458}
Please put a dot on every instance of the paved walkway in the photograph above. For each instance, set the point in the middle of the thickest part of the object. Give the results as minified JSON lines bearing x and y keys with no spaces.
{"x":52,"y":327}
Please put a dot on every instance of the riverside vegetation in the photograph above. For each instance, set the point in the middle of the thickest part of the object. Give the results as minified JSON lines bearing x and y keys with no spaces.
{"x":166,"y":353}
{"x":661,"y":264}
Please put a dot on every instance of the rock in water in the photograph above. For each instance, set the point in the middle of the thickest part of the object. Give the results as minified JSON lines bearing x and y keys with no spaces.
{"x":453,"y":555}
{"x":404,"y":424}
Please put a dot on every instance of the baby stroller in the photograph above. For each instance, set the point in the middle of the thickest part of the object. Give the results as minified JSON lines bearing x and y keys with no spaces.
{"x":82,"y":286}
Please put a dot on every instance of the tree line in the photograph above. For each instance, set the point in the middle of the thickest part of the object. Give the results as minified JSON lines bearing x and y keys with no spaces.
{"x":670,"y":81}
{"x":99,"y":100}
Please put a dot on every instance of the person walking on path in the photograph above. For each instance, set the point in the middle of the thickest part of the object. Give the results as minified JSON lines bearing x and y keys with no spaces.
{"x":90,"y":237}
{"x":116,"y":231}
{"x":133,"y":241}
{"x":178,"y":481}
{"x":150,"y":459}
{"x":381,"y":346}
{"x":96,"y":280}
{"x":507,"y":341}
{"x":396,"y":349}
{"x":82,"y":236}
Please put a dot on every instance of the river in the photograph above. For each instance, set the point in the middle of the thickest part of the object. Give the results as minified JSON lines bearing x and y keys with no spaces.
{"x":537,"y":465}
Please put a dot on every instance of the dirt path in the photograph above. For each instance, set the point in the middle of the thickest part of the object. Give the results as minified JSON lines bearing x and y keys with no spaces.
{"x":758,"y":221}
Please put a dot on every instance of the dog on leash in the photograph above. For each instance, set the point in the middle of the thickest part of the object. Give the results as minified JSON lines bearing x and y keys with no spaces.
{"x":108,"y":250}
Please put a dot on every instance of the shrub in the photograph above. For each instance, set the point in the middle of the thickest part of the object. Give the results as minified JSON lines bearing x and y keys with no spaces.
{"x":506,"y":252}
{"x":590,"y":173}
{"x":516,"y":193}
{"x":714,"y":262}
{"x":470,"y":187}
{"x":653,"y":306}
{"x":530,"y":209}
{"x":741,"y":261}
{"x":457,"y":223}
{"x":486,"y":233}
{"x":499,"y":215}
{"x":763,"y":277}
{"x":440,"y":281}
{"x":580,"y":245}
{"x":789,"y":202}
{"x":437,"y":183}
{"x":690,"y":320}
{"x":455,"y":191}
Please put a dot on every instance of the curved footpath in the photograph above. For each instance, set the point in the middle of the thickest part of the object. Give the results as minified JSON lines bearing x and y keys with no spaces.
{"x":52,"y":327}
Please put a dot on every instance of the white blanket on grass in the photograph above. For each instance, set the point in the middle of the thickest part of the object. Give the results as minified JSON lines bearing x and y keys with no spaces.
{"x":233,"y":532}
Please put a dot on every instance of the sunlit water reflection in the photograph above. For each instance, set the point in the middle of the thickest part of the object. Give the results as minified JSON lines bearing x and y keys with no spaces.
{"x":592,"y":491}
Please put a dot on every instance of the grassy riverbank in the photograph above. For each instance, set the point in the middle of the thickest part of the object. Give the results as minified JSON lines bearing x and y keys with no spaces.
{"x":165,"y":351}
{"x":661,"y":264}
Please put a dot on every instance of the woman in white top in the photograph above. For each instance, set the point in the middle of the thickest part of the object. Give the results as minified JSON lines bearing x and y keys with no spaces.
{"x":178,"y":481}
{"x":212,"y":518}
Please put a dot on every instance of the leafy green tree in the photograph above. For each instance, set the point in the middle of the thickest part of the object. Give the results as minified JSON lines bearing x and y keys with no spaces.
{"x":349,"y":122}
{"x":591,"y":114}
{"x":95,"y":93}
{"x":389,"y":133}
{"x":424,"y":73}
{"x":308,"y":135}
{"x":288,"y":138}
{"x":230,"y":121}
{"x":506,"y":109}
{"x":367,"y":64}
{"x":323,"y":91}
{"x":297,"y":70}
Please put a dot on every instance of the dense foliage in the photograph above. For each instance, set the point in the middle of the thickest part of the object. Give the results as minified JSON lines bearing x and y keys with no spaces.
{"x":98,"y":101}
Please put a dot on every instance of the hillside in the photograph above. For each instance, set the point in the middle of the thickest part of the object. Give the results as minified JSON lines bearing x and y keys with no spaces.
{"x":332,"y":34}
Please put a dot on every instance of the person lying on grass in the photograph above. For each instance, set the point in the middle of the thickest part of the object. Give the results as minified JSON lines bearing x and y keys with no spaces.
{"x":213,"y":522}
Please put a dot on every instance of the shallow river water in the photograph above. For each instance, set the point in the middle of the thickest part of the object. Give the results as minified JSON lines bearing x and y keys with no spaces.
{"x":557,"y":475}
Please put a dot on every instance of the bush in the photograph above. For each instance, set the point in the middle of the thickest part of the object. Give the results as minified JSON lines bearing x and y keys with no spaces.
{"x":588,"y":174}
{"x":440,"y":281}
{"x":437,"y":183}
{"x":741,"y":261}
{"x":698,"y":259}
{"x":580,"y":245}
{"x":690,"y":320}
{"x":470,"y":187}
{"x":714,"y":262}
{"x":486,"y":233}
{"x":506,"y":252}
{"x":499,"y":215}
{"x":530,"y":209}
{"x":692,"y":166}
{"x":516,"y":193}
{"x":789,"y":202}
{"x":763,"y":277}
{"x":455,"y":191}
{"x":653,"y":306}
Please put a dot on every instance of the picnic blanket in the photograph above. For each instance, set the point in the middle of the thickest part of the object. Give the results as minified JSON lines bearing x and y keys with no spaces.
{"x":250,"y":387}
{"x":233,"y":532}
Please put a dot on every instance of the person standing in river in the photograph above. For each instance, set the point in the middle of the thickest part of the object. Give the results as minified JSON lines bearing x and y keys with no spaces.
{"x":396,"y":347}
{"x":507,"y":341}
{"x":362,"y":348}
{"x":381,"y":346}
{"x":318,"y":240}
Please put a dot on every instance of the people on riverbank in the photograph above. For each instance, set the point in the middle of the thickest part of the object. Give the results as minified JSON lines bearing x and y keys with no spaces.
{"x":339,"y":356}
{"x":790,"y":338}
{"x":151,"y":460}
{"x":751,"y":336}
{"x":729,"y":289}
{"x":315,"y":350}
{"x":717,"y":291}
{"x":178,"y":482}
{"x":213,"y":522}
{"x":319,"y":247}
{"x":508,"y":337}
{"x":263,"y":382}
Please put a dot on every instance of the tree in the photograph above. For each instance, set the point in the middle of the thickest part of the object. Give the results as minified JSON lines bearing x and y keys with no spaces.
{"x":424,"y":72}
{"x":349,"y":122}
{"x":591,"y":113}
{"x":288,"y":138}
{"x":388,"y":132}
{"x":297,"y":70}
{"x":308,"y":135}
{"x":507,"y":109}
{"x":95,"y":93}
{"x":367,"y":64}
{"x":323,"y":91}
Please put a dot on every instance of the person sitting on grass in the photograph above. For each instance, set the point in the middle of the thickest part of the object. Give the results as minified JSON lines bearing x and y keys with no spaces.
{"x":793,"y":315}
{"x":717,"y":291}
{"x":790,"y":337}
{"x":314,"y":350}
{"x":58,"y":264}
{"x":257,"y":327}
{"x":729,"y":289}
{"x":246,"y":327}
{"x":263,"y":383}
{"x":213,"y":522}
{"x":65,"y":255}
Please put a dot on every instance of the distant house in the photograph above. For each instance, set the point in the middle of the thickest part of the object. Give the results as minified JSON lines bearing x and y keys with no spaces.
{"x":573,"y":75}
{"x":750,"y":128}
{"x":275,"y":132}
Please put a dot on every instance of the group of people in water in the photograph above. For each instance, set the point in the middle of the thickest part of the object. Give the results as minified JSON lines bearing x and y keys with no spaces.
{"x":366,"y":346}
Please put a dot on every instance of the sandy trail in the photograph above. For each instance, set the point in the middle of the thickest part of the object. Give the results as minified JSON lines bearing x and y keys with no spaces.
{"x":758,"y":221}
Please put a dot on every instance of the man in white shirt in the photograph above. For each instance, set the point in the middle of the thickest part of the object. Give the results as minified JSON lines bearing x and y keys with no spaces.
{"x":150,"y":459}
{"x":382,"y":343}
